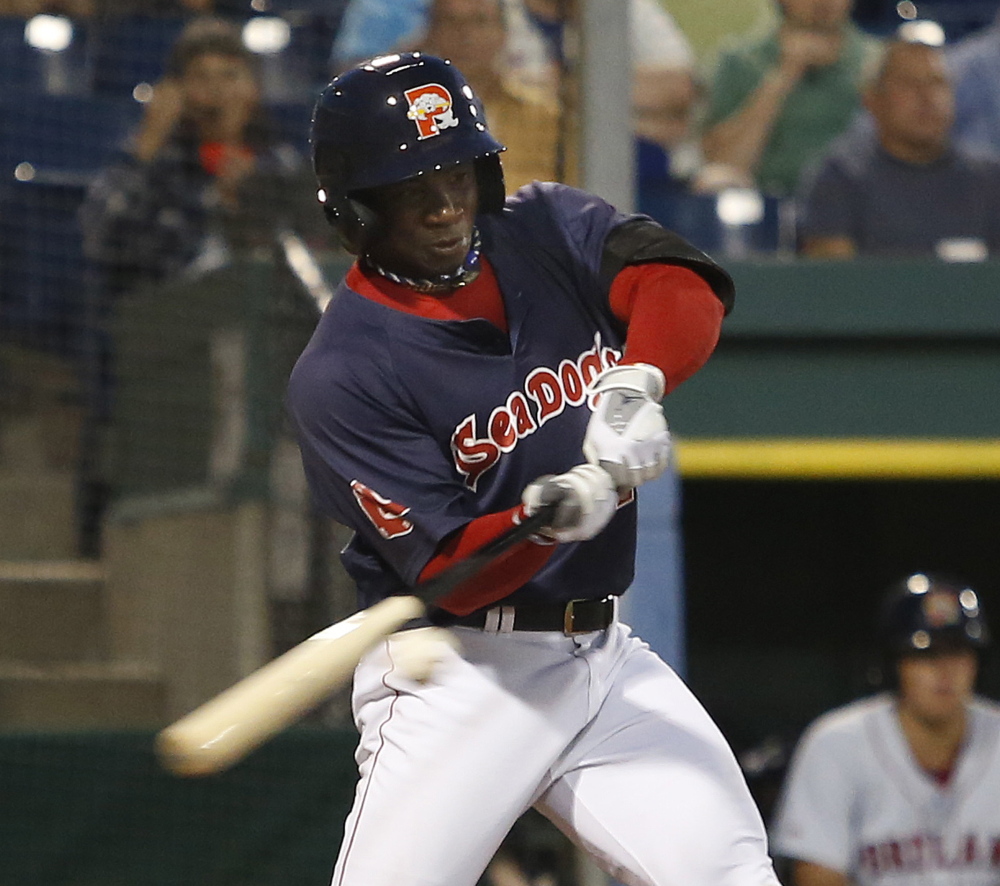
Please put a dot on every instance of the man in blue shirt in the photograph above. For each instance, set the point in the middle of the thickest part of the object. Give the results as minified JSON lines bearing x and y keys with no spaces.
{"x":904,"y":188}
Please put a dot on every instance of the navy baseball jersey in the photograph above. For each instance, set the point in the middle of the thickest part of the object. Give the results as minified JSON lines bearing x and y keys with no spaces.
{"x":410,"y":427}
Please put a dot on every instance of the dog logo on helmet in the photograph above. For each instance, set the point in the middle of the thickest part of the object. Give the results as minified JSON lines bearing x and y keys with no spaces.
{"x":430,"y":109}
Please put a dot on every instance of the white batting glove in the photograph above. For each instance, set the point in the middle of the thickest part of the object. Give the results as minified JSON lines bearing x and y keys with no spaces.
{"x":627,"y":434}
{"x":585,"y":499}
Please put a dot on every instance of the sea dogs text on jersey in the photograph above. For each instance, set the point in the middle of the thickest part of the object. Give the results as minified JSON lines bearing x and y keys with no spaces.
{"x":547,"y":392}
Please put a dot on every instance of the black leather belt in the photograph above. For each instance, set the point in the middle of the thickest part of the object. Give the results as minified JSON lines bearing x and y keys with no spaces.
{"x":575,"y":617}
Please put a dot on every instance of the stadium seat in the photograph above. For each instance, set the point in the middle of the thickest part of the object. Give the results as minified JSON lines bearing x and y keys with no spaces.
{"x":61,"y":134}
{"x":25,"y":68}
{"x":312,"y":40}
{"x":331,"y":9}
{"x":42,"y":292}
{"x":299,"y":70}
{"x":292,"y":121}
{"x":696,"y":218}
{"x":131,"y":50}
{"x":957,"y":17}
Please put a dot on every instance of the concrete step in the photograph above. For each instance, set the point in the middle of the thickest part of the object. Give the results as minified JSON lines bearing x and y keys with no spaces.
{"x":52,"y":611}
{"x":87,"y":696}
{"x":37,"y":519}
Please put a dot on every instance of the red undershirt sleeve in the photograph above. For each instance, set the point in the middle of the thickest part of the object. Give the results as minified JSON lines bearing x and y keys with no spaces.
{"x":497,"y":580}
{"x":673,"y":318}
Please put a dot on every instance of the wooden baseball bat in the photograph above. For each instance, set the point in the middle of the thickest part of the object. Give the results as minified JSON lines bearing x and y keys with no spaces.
{"x":226,"y":728}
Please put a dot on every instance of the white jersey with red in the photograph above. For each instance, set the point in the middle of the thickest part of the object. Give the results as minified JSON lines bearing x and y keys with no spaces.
{"x":856,"y":801}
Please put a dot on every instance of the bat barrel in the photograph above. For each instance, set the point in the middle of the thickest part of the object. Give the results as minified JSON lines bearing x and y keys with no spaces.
{"x":227,"y":728}
{"x":231,"y":725}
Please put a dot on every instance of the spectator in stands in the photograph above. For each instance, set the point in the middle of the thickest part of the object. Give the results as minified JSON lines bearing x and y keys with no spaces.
{"x":204,"y":174}
{"x":906,"y":187}
{"x":777,"y":101}
{"x":472,"y":34}
{"x":204,"y":179}
{"x":665,"y":89}
{"x":975,"y":66}
{"x":371,"y":27}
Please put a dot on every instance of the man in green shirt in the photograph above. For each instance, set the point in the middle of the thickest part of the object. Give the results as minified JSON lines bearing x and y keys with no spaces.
{"x":778,"y":100}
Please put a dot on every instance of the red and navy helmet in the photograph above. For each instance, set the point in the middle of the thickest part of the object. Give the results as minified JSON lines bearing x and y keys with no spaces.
{"x":393,"y":118}
{"x":928,"y":613}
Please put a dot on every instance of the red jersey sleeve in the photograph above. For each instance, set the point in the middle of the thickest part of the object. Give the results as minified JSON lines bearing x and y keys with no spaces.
{"x":673,"y":318}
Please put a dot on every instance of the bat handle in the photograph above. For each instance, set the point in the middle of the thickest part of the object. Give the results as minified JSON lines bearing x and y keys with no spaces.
{"x":445,"y":582}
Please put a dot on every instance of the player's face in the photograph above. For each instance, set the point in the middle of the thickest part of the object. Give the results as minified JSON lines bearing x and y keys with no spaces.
{"x":427,"y":222}
{"x":935,"y":688}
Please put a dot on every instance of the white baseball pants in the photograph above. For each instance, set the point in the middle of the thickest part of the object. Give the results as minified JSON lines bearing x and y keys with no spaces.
{"x":594,"y":730}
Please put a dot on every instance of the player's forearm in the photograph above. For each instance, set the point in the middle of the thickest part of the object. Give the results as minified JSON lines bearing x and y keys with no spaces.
{"x":673,"y":316}
{"x":740,"y":139}
{"x":500,"y":578}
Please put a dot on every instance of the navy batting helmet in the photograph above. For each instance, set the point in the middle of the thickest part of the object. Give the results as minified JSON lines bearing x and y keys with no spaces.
{"x":925,"y":613}
{"x":393,"y":118}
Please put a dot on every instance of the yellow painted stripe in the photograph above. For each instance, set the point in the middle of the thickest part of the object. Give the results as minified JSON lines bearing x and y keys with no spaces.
{"x":845,"y":458}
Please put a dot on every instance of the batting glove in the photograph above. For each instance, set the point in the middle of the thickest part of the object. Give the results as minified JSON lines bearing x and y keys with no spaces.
{"x":627,"y":434}
{"x":585,"y":499}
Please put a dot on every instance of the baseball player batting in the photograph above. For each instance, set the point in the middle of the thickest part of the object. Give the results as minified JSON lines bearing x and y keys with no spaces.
{"x":486,"y":355}
{"x":904,"y":787}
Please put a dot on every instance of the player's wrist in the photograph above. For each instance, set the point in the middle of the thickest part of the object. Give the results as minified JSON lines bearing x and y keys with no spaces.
{"x":640,"y":378}
{"x":521,"y":513}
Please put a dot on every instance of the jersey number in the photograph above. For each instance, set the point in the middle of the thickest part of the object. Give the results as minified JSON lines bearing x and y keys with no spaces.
{"x":387,"y":516}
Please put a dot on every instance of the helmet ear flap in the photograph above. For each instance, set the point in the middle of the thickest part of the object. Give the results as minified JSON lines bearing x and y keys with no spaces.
{"x":489,"y":180}
{"x":355,"y":223}
{"x":365,"y":216}
{"x":352,"y":219}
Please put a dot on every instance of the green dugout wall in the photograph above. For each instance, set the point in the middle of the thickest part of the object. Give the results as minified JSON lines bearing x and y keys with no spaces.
{"x":859,"y":369}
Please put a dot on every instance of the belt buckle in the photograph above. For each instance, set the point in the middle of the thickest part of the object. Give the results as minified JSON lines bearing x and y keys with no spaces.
{"x":569,"y":619}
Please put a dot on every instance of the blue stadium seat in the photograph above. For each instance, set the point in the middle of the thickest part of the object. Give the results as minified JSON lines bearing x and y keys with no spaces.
{"x":292,"y":121}
{"x":50,"y":149}
{"x":61,"y":133}
{"x":43,"y":297}
{"x":312,"y":40}
{"x":957,"y":17}
{"x":130,"y":50}
{"x":332,"y":9}
{"x":23,"y":68}
{"x":302,"y":68}
{"x":695,"y":217}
